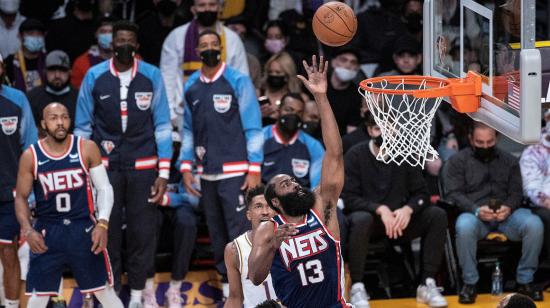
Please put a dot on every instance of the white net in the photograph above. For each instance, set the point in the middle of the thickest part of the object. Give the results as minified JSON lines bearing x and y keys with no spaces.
{"x":404,"y":120}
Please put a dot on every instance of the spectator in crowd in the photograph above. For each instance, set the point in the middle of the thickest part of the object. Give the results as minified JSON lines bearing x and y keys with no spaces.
{"x":179,"y":57}
{"x":360,"y":134}
{"x":177,"y":209}
{"x":394,"y":204}
{"x":411,"y":16}
{"x":535,"y":172}
{"x":242,"y":292}
{"x":222,"y":134}
{"x":10,"y":20}
{"x":312,"y":120}
{"x":279,"y":78}
{"x":97,"y":53}
{"x":251,"y":45}
{"x":407,"y":56}
{"x":276,"y":38}
{"x":474,"y":178}
{"x":25,"y":69}
{"x":15,"y":136}
{"x":122,"y":106}
{"x":155,"y":26}
{"x":288,"y":150}
{"x":342,"y":91}
{"x":73,"y":34}
{"x":57,"y":88}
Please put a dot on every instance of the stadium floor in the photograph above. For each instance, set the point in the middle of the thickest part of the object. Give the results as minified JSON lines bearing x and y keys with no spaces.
{"x":202,"y":289}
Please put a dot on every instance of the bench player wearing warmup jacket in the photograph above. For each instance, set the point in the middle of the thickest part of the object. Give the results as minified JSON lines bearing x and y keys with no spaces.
{"x":222,"y":133}
{"x":242,"y":292}
{"x":122,"y":106}
{"x":17,"y":134}
{"x":300,"y":247}
{"x":62,"y":170}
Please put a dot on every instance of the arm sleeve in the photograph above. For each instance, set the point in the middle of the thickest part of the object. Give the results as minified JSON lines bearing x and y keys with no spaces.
{"x":84,"y":119}
{"x":187,"y":155}
{"x":316,"y":152}
{"x":532,"y":176}
{"x":455,"y":182}
{"x":28,"y":132}
{"x":352,"y":194}
{"x":515,"y":189}
{"x":105,"y":195}
{"x":163,"y":128}
{"x":251,"y":120}
{"x":418,"y":189}
{"x":170,"y":66}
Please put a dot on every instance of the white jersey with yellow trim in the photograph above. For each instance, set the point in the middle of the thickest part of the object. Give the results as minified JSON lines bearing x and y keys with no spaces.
{"x":253,"y":295}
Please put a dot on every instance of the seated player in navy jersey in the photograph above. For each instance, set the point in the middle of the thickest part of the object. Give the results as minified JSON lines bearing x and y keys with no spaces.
{"x":301,"y":245}
{"x":62,"y":169}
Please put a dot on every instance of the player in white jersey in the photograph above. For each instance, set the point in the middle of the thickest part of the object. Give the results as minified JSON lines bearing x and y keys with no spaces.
{"x":242,"y":292}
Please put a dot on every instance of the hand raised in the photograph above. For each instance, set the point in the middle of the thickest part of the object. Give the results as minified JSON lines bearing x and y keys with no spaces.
{"x":316,"y":81}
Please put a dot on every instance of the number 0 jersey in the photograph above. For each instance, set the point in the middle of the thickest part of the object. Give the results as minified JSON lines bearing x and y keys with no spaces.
{"x":308,"y":270}
{"x":61,"y":183}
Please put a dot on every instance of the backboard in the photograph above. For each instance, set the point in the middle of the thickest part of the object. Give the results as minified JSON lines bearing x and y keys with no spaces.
{"x":495,"y":38}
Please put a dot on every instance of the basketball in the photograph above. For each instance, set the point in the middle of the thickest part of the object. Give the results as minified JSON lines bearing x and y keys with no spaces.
{"x":334,"y":24}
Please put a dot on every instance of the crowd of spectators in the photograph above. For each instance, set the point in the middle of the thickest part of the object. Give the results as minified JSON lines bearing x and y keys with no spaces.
{"x":270,"y":125}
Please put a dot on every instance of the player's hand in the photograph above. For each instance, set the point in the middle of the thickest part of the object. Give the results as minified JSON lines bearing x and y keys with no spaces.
{"x":402,"y":219}
{"x":251,"y":180}
{"x":157,"y":190}
{"x":486,"y":214}
{"x":503,"y":212}
{"x":188,"y":181}
{"x":283,"y":233}
{"x":36,"y":242}
{"x":99,"y":239}
{"x":316,"y":81}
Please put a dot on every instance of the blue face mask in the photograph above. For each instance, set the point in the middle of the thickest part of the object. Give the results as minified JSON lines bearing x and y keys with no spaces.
{"x":104,"y":40}
{"x":33,"y":43}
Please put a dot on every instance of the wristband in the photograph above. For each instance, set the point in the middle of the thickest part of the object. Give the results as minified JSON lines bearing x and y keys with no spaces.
{"x":103,"y":225}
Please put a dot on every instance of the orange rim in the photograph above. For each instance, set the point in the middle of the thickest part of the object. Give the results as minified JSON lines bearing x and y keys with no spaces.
{"x":437,"y":87}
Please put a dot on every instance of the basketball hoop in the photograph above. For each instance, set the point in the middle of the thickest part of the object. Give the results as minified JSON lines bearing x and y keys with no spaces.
{"x":404,"y":107}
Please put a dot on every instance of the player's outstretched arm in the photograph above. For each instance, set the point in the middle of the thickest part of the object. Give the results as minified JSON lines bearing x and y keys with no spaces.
{"x":266,"y":242}
{"x":232,"y":263}
{"x":332,"y":171}
{"x":25,"y":178}
{"x":104,"y":197}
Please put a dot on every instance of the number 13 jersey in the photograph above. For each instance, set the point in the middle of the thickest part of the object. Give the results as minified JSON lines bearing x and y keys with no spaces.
{"x":308,"y":269}
{"x":61,"y":183}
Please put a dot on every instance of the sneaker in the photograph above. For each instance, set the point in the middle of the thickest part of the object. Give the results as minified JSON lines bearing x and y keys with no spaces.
{"x":135,"y":305}
{"x":430,"y":294}
{"x":88,"y":301}
{"x":359,"y":296}
{"x":173,"y":298}
{"x":149,"y":299}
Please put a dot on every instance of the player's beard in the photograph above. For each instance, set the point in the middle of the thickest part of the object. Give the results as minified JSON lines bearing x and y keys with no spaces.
{"x":297,"y":203}
{"x":58,"y":138}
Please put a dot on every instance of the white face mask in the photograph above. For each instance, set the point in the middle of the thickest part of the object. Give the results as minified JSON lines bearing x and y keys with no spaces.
{"x":9,"y":6}
{"x":345,"y":74}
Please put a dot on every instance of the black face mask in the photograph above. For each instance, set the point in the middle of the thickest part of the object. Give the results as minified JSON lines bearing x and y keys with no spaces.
{"x":378,"y":140}
{"x":290,"y":123}
{"x":210,"y":57}
{"x":276,"y":82}
{"x":207,"y":18}
{"x":297,"y":203}
{"x":124,"y":53}
{"x":311,"y":127}
{"x":166,"y":7}
{"x":414,"y":22}
{"x":484,"y":155}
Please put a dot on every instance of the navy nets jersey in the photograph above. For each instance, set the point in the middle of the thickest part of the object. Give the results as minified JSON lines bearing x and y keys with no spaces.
{"x":308,"y":269}
{"x":61,"y":183}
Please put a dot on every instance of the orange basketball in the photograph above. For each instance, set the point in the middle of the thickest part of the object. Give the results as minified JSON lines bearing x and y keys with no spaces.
{"x":334,"y":23}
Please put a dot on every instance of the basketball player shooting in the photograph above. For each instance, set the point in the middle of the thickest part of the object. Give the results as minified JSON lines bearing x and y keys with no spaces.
{"x":58,"y":169}
{"x":300,"y":246}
